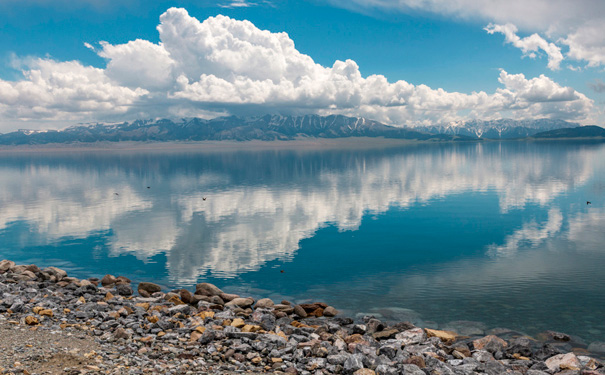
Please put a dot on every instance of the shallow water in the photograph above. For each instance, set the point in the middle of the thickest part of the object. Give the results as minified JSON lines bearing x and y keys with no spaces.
{"x":496,"y":232}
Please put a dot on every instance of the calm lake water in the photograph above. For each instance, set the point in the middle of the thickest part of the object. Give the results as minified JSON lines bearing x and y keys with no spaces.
{"x":499,"y":233}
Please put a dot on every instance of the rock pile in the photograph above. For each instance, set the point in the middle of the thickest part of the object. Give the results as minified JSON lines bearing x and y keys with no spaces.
{"x":210,"y":331}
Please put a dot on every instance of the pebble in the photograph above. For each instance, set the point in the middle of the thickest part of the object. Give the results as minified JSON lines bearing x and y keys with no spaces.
{"x":211,"y":331}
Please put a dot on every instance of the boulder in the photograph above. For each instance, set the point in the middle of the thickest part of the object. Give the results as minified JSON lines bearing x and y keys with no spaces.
{"x":56,"y":272}
{"x":150,"y":288}
{"x":300,"y":311}
{"x":330,"y":311}
{"x":445,"y":336}
{"x":207,"y":289}
{"x":108,"y":280}
{"x":240,"y":302}
{"x":264,"y":303}
{"x":6,"y":265}
{"x":490,"y":343}
{"x":561,"y":362}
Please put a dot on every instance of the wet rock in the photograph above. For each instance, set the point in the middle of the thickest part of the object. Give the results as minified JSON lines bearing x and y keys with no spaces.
{"x":553,"y":336}
{"x":466,"y":328}
{"x":597,"y":347}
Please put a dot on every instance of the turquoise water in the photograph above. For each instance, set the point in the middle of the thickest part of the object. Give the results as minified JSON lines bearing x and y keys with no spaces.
{"x":494,"y":232}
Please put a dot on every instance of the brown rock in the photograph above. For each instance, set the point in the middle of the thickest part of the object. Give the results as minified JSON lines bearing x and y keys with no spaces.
{"x":490,"y":343}
{"x":364,"y":371}
{"x":123,"y":280}
{"x":310,"y":307}
{"x":330,"y":311}
{"x":176,"y":300}
{"x":319,"y":312}
{"x":228,"y":297}
{"x":6,"y":265}
{"x":240,"y":302}
{"x":264,"y":303}
{"x":150,"y":288}
{"x":300,"y":311}
{"x":207,"y":289}
{"x":353,"y":338}
{"x":237,"y":323}
{"x":386,"y":334}
{"x":445,"y":336}
{"x":121,"y":333}
{"x":416,"y":360}
{"x":56,"y":272}
{"x":186,"y":296}
{"x":31,"y":320}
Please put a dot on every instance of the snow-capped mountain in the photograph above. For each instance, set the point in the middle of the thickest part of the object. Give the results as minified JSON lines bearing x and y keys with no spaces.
{"x":267,"y":128}
{"x":498,"y":129}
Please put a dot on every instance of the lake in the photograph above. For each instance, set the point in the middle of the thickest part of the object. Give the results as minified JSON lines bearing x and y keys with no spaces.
{"x":495,"y":232}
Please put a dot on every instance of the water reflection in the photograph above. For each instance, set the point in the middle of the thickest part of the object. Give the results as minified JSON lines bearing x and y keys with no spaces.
{"x":261,"y":205}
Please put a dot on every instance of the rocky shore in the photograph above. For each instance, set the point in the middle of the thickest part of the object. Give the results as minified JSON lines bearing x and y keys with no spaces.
{"x":52,"y":323}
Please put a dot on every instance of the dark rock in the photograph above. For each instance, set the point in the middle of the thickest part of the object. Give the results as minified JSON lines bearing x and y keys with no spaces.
{"x":386,"y":334}
{"x":353,"y":363}
{"x":520,"y":345}
{"x":490,"y":343}
{"x":124,"y":289}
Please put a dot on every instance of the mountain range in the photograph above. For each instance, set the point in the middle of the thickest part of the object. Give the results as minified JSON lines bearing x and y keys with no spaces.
{"x":274,"y":127}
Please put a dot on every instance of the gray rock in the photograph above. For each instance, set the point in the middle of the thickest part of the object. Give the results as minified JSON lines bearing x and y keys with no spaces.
{"x":353,"y":363}
{"x":56,"y":272}
{"x":124,"y":289}
{"x":411,"y":370}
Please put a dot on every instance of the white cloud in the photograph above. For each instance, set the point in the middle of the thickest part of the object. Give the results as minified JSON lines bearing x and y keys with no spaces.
{"x":222,"y":65}
{"x":529,"y":45}
{"x":578,"y":24}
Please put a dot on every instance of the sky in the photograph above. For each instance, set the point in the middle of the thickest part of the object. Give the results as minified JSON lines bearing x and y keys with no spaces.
{"x":402,"y":62}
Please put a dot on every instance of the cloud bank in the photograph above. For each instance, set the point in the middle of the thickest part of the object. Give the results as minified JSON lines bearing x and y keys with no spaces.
{"x":225,"y":66}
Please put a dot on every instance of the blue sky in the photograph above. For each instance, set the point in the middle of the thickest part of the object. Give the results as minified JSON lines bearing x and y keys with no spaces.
{"x":432,"y":60}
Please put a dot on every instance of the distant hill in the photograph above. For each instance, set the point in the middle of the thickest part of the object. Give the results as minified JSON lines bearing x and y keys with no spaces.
{"x":498,"y":129}
{"x":590,"y":131}
{"x":267,"y":128}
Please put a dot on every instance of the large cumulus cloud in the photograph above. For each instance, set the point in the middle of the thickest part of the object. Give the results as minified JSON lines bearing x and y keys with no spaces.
{"x":222,"y":65}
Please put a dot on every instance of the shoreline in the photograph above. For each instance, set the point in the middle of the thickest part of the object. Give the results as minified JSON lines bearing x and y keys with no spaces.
{"x":110,"y":328}
{"x":214,"y":146}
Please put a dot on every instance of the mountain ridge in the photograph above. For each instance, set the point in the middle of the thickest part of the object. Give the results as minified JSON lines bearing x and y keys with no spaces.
{"x":277,"y":127}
